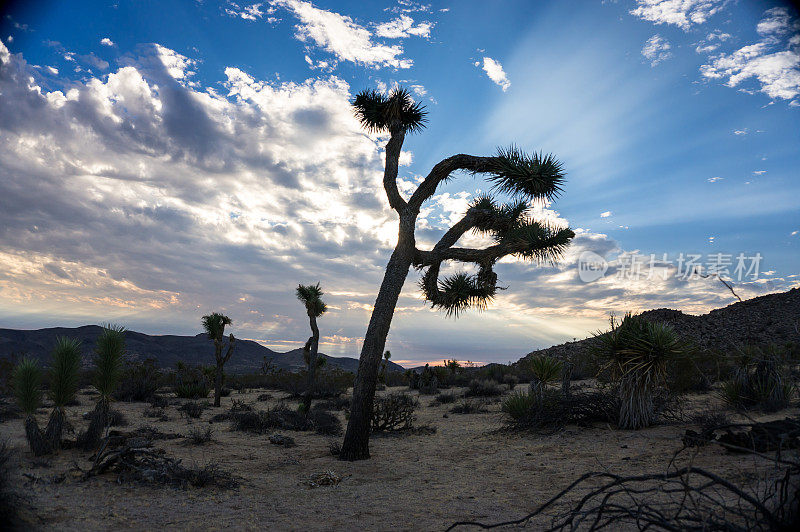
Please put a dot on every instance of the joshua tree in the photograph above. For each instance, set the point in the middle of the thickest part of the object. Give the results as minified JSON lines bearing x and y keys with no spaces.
{"x":63,"y":385}
{"x":385,"y":366}
{"x":311,"y":297}
{"x":109,"y":353}
{"x":27,"y":380}
{"x":521,"y":177}
{"x":214,"y":324}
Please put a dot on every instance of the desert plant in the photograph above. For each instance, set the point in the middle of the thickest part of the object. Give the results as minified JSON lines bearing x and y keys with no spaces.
{"x":544,"y":370}
{"x":139,"y":381}
{"x":214,"y":325}
{"x":27,"y":383}
{"x":108,"y":360}
{"x":191,"y":382}
{"x":550,"y":409}
{"x":199,"y":436}
{"x":384,"y":365}
{"x":311,"y":297}
{"x":193,"y":409}
{"x":443,"y":398}
{"x":393,"y":412}
{"x":635,"y":355}
{"x":325,"y":422}
{"x":469,"y":406}
{"x":63,"y":386}
{"x":483,"y":388}
{"x":526,"y":178}
{"x":760,"y":380}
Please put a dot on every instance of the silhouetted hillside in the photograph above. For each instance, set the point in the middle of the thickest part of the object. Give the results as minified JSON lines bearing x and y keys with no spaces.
{"x":167,"y":349}
{"x":773,"y":318}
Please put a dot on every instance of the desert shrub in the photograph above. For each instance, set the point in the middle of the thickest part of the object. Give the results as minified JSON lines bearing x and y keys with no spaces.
{"x":264,"y":397}
{"x":427,"y":381}
{"x":225,"y":392}
{"x":198,"y":435}
{"x":634,"y":355}
{"x":117,"y":418}
{"x":27,"y":381}
{"x":325,"y":422}
{"x":483,"y":388}
{"x":262,"y":421}
{"x":393,"y":412}
{"x":156,"y":413}
{"x":469,"y":406}
{"x":547,"y":408}
{"x":396,"y":378}
{"x":159,"y":401}
{"x":329,"y":382}
{"x":139,"y":381}
{"x":760,"y":380}
{"x":511,"y":381}
{"x":192,"y":382}
{"x":444,"y":398}
{"x":193,"y":409}
{"x":337,"y":403}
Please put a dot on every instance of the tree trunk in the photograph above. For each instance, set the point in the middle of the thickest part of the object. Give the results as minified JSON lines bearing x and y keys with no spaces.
{"x":36,"y":441}
{"x":55,"y":428}
{"x":312,"y":364}
{"x":218,"y":374}
{"x":90,"y":440}
{"x":356,"y":439}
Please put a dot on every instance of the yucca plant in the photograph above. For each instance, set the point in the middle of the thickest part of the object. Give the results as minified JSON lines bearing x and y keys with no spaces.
{"x":515,"y":176}
{"x":214,"y":325}
{"x":27,"y":382}
{"x":311,"y":298}
{"x":635,"y":355}
{"x":760,"y":379}
{"x":544,"y":370}
{"x":63,"y":385}
{"x":108,"y":361}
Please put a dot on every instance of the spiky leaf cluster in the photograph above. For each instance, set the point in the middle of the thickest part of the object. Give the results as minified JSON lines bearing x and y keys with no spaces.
{"x":27,"y":379}
{"x":537,"y":241}
{"x":516,"y":173}
{"x":378,"y":112}
{"x":109,"y":353}
{"x":214,"y":325}
{"x":64,"y":371}
{"x":456,"y":293}
{"x":311,"y":296}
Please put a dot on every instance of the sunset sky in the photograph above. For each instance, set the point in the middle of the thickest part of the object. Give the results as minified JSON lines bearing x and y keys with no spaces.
{"x":162,"y":160}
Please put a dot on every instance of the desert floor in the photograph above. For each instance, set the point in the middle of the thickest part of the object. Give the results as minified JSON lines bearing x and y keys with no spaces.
{"x":468,"y":469}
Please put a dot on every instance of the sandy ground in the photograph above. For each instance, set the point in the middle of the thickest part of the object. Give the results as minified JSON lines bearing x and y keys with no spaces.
{"x":466,"y":470}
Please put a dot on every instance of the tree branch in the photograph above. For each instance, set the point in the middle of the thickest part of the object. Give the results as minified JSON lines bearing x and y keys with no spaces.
{"x":393,"y":148}
{"x":231,"y":341}
{"x":441,"y":172}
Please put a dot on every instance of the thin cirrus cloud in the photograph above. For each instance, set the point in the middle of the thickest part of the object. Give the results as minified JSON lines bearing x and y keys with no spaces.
{"x":656,"y":50}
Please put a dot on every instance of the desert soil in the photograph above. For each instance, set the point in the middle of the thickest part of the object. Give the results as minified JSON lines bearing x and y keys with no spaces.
{"x":468,"y":469}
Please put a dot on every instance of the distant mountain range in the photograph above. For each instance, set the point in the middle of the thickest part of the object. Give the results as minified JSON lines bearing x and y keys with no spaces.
{"x":167,"y":350}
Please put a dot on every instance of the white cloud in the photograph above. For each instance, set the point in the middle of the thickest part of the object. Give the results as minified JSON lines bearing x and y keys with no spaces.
{"x":656,"y":50}
{"x":759,"y":172}
{"x":52,"y":70}
{"x":773,"y":62}
{"x":681,"y":13}
{"x":105,"y":41}
{"x":341,"y":36}
{"x":605,"y":214}
{"x":712,"y":42}
{"x":715,"y":179}
{"x":403,"y":27}
{"x":252,"y":12}
{"x":495,"y":72}
{"x":740,"y":132}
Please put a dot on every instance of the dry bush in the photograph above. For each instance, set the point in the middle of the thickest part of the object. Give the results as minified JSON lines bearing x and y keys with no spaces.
{"x":470,"y":406}
{"x":139,"y":381}
{"x":444,"y":398}
{"x":393,"y":412}
{"x":199,"y":436}
{"x":193,"y":409}
{"x":483,"y":388}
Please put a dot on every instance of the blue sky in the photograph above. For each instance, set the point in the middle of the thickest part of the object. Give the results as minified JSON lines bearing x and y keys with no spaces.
{"x":165,"y":159}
